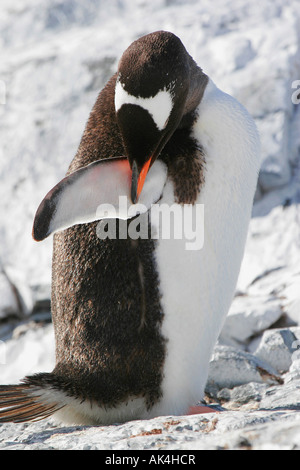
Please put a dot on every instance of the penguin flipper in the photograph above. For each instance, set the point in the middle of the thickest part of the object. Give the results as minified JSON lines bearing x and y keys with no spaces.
{"x":20,"y":403}
{"x":93,"y":193}
{"x":76,"y":198}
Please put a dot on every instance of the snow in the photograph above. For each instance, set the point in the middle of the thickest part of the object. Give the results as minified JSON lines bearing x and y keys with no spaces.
{"x":55,"y":57}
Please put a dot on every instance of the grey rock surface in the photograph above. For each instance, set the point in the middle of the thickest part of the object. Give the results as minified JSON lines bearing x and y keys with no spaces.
{"x":230,"y":367}
{"x":213,"y":431}
{"x":278,"y":346}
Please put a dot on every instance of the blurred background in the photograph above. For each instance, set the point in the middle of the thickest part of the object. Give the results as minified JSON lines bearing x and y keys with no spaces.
{"x":56,"y":55}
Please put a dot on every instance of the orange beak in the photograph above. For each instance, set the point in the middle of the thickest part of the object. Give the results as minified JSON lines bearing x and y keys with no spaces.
{"x":138,"y":180}
{"x":142,"y":177}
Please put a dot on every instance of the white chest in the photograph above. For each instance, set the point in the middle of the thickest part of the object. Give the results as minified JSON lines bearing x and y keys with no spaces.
{"x":197,"y":286}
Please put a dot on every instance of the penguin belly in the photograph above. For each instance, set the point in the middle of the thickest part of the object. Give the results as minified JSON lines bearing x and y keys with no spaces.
{"x":197,"y":285}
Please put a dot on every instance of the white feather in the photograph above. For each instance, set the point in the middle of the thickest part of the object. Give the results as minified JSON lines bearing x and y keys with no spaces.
{"x":197,"y":287}
{"x":159,"y":106}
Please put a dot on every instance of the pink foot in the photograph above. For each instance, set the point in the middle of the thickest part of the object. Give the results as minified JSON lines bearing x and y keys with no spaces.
{"x":196,"y":410}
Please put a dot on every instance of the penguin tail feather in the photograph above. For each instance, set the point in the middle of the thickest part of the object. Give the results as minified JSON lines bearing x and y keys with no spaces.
{"x":24,"y":402}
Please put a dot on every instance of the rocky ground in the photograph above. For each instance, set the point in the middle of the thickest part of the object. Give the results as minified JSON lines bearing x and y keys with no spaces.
{"x":256,"y":398}
{"x":234,"y":430}
{"x":54,"y":60}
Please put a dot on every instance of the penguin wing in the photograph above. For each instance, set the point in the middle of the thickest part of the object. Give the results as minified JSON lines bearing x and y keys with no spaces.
{"x":97,"y":191}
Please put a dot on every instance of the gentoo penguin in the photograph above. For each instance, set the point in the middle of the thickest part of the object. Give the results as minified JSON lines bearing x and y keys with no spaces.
{"x":136,"y":318}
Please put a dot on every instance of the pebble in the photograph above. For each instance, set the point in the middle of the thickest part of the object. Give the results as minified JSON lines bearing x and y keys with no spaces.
{"x":286,"y":397}
{"x":278,"y":346}
{"x":248,"y":316}
{"x":230,"y":367}
{"x":242,"y":394}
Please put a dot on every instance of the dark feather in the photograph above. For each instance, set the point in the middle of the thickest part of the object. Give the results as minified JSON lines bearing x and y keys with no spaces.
{"x":19,"y":404}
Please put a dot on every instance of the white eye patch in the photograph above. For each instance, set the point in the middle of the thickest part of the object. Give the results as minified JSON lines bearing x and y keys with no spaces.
{"x":159,"y":106}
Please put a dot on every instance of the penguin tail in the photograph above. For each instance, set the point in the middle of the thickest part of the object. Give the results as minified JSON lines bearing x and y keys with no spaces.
{"x":27,"y":401}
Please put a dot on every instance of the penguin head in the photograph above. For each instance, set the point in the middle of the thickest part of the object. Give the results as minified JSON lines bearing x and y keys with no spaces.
{"x":150,"y":96}
{"x":158,"y":83}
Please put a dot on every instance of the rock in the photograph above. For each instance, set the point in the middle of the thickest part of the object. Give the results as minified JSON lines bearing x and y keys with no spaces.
{"x":270,"y":268}
{"x":15,"y":294}
{"x":230,"y":367}
{"x":277,"y":347}
{"x":227,"y":430}
{"x":291,"y":301}
{"x":250,"y":392}
{"x":21,"y":289}
{"x":41,"y":297}
{"x":8,"y":302}
{"x":248,"y":316}
{"x":294,"y":370}
{"x":275,"y":168}
{"x":269,"y":101}
{"x":282,"y":397}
